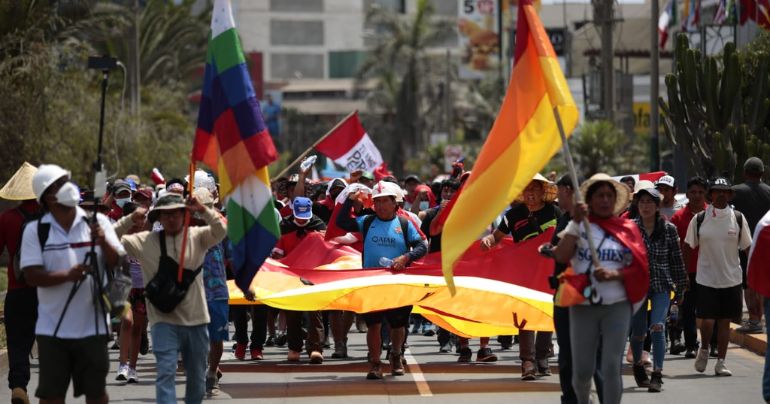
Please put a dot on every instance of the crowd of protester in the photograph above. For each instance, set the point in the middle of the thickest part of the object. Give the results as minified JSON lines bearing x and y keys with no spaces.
{"x":658,"y":268}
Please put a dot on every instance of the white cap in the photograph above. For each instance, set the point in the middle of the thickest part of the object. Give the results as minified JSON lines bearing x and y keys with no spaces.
{"x":643,"y":184}
{"x":666,"y":180}
{"x":384,"y":188}
{"x":46,"y":175}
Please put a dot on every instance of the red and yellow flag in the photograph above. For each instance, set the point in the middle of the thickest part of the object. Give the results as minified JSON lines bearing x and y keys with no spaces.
{"x":521,"y":142}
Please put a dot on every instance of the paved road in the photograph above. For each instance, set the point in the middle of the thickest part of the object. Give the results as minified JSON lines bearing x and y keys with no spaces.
{"x":431,"y":377}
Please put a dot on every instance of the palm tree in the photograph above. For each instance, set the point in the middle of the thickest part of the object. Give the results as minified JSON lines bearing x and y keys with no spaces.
{"x":405,"y":72}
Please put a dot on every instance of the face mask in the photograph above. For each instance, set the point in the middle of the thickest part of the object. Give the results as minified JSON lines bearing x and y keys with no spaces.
{"x":122,"y":201}
{"x":424,"y":205}
{"x":68,"y":195}
{"x":301,"y":224}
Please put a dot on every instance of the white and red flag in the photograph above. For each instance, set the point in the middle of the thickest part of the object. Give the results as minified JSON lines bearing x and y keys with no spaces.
{"x":350,"y":146}
{"x":759,"y":258}
{"x":652,"y":177}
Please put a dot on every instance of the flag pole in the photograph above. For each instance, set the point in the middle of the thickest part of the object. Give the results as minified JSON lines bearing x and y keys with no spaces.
{"x":575,"y":186}
{"x":186,"y":226}
{"x":309,"y":149}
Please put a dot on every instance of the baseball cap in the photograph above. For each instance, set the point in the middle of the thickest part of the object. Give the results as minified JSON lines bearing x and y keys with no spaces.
{"x":383,"y":188}
{"x":302,"y":208}
{"x":412,"y":178}
{"x":666,"y":180}
{"x":119,"y":186}
{"x":721,"y":183}
{"x":367,"y":175}
{"x":654,"y":193}
{"x":643,"y":184}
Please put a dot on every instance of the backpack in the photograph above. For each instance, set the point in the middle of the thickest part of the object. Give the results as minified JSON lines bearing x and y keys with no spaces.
{"x":42,"y":235}
{"x":368,"y":220}
{"x":701,"y":216}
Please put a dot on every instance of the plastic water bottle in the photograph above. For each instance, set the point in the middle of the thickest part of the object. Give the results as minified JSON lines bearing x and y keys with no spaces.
{"x":307,"y":162}
{"x":674,"y":313}
{"x":385,"y":262}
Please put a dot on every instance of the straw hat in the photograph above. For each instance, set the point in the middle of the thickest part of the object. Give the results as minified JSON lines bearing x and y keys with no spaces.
{"x":19,"y":187}
{"x":549,"y":189}
{"x":621,"y":190}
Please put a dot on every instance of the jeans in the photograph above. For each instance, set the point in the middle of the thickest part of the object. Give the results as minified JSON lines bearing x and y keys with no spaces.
{"x":561,"y":326}
{"x":588,"y":326}
{"x":20,"y":319}
{"x":315,"y":331}
{"x":240,"y":315}
{"x":534,"y":345}
{"x":660,"y":302}
{"x":168,"y":340}
{"x":687,"y":316}
{"x":766,"y":375}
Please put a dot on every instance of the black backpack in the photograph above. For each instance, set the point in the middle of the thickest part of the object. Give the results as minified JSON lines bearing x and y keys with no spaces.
{"x":42,"y":235}
{"x":701,"y":216}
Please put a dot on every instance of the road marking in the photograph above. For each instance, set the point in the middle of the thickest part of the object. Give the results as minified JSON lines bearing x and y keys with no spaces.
{"x":419,"y":378}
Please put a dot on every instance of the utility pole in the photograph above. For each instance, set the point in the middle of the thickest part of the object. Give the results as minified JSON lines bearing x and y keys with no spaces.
{"x":604,"y":16}
{"x":134,"y":72}
{"x":654,"y":87}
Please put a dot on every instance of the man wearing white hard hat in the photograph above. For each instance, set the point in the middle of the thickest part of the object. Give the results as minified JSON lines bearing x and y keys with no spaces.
{"x":389,"y":240}
{"x":666,"y":185}
{"x":72,"y":333}
{"x":21,"y":299}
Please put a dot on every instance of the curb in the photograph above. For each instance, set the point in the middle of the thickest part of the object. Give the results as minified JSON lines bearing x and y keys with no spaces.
{"x":756,"y":343}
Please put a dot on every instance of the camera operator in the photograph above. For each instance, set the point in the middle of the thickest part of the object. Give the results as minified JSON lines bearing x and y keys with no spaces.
{"x":71,"y":329}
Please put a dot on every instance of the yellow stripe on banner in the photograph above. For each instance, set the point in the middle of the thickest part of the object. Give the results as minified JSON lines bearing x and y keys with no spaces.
{"x":558,"y":91}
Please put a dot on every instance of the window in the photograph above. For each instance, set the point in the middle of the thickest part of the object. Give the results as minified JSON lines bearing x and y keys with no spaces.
{"x":296,"y":33}
{"x":304,"y":6}
{"x":296,"y":66}
{"x":345,"y":64}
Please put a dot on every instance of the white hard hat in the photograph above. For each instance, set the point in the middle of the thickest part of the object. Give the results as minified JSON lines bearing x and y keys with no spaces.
{"x":384,"y":188}
{"x":46,"y":175}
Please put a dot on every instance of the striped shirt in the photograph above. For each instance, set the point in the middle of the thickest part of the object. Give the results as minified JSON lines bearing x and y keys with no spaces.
{"x":667,"y":271}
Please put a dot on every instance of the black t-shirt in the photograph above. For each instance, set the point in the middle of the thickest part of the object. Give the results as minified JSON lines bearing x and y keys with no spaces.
{"x":322,"y":212}
{"x":522,"y":224}
{"x":561,"y":224}
{"x":753,"y":200}
{"x":435,"y":241}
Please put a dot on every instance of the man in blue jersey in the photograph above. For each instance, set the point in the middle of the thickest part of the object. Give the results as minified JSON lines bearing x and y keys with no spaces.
{"x":389,"y":240}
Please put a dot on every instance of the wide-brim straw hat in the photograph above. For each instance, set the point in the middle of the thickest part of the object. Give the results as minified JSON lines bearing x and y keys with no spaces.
{"x":19,"y":187}
{"x":621,"y":190}
{"x":549,"y":189}
{"x":166,"y":202}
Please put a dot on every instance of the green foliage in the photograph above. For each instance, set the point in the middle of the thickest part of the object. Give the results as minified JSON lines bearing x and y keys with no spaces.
{"x":598,"y":146}
{"x":718,"y":106}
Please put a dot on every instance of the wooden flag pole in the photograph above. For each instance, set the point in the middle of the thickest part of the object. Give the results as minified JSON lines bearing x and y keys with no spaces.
{"x":575,"y":185}
{"x":309,"y":149}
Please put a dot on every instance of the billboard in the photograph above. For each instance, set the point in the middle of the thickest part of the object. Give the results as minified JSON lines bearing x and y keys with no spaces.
{"x":479,"y":40}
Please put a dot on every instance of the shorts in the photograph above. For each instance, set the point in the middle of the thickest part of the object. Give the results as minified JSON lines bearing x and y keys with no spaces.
{"x":136,"y":298}
{"x":84,"y":360}
{"x":719,"y":303}
{"x":398,"y":317}
{"x":219,"y":313}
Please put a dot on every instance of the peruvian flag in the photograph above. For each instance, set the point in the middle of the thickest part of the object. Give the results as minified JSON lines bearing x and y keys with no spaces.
{"x":652,"y":177}
{"x":350,"y":146}
{"x":759,"y":258}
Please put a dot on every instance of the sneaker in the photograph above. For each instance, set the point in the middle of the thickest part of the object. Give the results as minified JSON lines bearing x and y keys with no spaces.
{"x":340,"y":351}
{"x":702,"y":360}
{"x":361,"y":325}
{"x":19,"y":396}
{"x":415,"y":329}
{"x":270,"y":341}
{"x":132,"y":377}
{"x":240,"y":351}
{"x":640,"y":376}
{"x":690,"y":353}
{"x":122,"y":373}
{"x":528,"y":371}
{"x":280,"y":340}
{"x":316,"y":358}
{"x":485,"y":355}
{"x":429,"y":332}
{"x":396,"y":366}
{"x":293,"y":356}
{"x":656,"y":382}
{"x":720,"y":369}
{"x":677,"y":347}
{"x":750,"y":327}
{"x":465,"y":355}
{"x":542,"y":368}
{"x":212,"y":385}
{"x":446,"y":348}
{"x":375,"y":371}
{"x":256,"y":354}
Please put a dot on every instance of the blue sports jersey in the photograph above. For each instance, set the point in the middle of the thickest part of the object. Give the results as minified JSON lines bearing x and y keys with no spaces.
{"x":384,"y":239}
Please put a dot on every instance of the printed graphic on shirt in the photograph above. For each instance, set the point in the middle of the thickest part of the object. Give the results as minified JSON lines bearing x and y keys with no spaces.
{"x":385,"y":239}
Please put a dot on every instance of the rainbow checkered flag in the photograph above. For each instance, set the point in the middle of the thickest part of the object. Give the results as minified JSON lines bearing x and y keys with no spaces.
{"x":233,"y":140}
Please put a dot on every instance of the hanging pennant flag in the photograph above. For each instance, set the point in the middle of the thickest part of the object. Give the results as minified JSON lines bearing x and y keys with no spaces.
{"x":350,"y":146}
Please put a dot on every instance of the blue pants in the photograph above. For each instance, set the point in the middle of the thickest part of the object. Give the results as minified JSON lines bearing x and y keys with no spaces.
{"x":639,"y":327}
{"x":168,"y":340}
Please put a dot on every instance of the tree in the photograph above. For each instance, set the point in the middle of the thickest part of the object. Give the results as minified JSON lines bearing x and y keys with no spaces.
{"x":597,"y":146}
{"x":406,"y":74}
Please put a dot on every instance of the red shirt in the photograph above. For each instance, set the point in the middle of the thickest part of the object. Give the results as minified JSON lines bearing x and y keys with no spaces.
{"x":681,"y":219}
{"x":10,"y":237}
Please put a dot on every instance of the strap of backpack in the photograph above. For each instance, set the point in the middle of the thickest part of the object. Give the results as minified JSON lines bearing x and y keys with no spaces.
{"x":404,"y":229}
{"x":162,"y":235}
{"x":368,"y":220}
{"x":42,"y":233}
{"x":699,"y":218}
{"x":739,"y":220}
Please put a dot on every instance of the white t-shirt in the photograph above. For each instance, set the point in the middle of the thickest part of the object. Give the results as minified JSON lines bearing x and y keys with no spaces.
{"x":718,"y":263}
{"x":612,"y":255}
{"x":63,"y":251}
